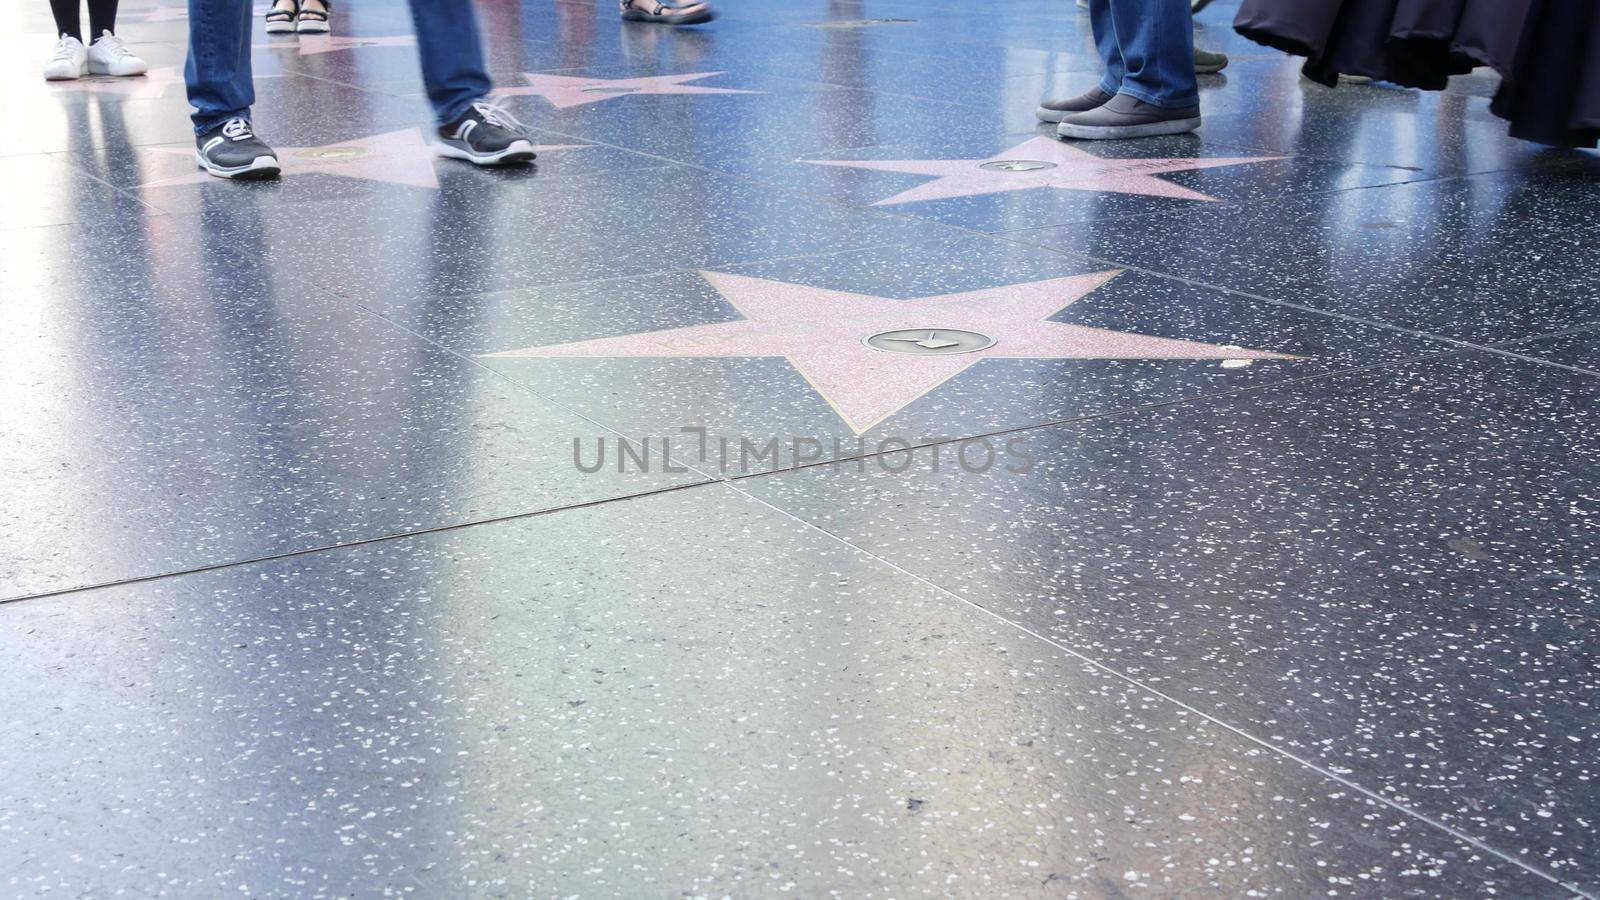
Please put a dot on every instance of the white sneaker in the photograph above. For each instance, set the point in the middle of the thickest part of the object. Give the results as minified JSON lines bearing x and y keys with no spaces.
{"x":70,"y":60}
{"x":108,"y":56}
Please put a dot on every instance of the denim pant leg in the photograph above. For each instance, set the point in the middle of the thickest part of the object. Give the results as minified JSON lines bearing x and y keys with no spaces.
{"x":1105,"y":41}
{"x":1155,"y":41}
{"x":452,"y":55}
{"x":217,"y":72}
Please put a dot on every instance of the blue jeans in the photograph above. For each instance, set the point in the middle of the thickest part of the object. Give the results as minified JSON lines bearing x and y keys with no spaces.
{"x":1148,"y":49}
{"x":218,"y":70}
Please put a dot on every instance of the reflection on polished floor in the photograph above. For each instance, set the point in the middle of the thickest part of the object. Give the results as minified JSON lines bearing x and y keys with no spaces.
{"x":810,"y":478}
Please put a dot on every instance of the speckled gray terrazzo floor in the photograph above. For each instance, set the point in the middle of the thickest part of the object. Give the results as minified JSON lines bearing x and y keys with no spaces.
{"x":1282,"y":582}
{"x":1390,"y":573}
{"x":740,"y":706}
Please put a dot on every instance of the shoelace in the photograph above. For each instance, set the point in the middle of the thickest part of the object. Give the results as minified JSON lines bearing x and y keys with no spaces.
{"x":237,"y":129}
{"x":63,"y":48}
{"x":498,"y":116}
{"x":113,"y":45}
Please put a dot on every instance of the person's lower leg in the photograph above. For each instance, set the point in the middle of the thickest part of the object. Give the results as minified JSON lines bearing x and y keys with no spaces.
{"x":451,"y":53}
{"x":1105,"y":43}
{"x":1155,"y":41}
{"x":66,"y":16}
{"x":217,"y":72}
{"x":102,"y":17}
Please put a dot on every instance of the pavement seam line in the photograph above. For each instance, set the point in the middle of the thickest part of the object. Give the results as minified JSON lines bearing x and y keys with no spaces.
{"x":1209,"y":717}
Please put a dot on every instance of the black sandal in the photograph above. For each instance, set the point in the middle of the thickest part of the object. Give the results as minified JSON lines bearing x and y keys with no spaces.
{"x":281,"y":21}
{"x":662,"y":14}
{"x":313,"y":21}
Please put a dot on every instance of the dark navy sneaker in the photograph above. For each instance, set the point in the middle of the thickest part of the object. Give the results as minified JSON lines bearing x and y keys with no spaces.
{"x":485,"y":135}
{"x":232,"y":150}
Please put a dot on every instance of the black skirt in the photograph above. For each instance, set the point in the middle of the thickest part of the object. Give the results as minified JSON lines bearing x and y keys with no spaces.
{"x":1552,"y":92}
{"x":1546,"y":51}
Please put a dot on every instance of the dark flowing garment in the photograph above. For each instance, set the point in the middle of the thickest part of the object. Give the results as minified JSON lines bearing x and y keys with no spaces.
{"x":1552,"y":93}
{"x":1546,"y":51}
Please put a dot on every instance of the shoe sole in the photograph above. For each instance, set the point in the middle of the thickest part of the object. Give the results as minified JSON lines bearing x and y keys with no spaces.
{"x":517,"y":152}
{"x":634,"y":15}
{"x":280,"y":27}
{"x":260,"y":167}
{"x":1209,"y":69}
{"x":93,"y":70}
{"x":312,"y":28}
{"x":1054,"y":116}
{"x":72,"y":77}
{"x":1119,"y":132}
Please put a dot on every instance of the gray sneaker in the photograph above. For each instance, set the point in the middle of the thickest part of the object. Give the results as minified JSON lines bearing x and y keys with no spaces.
{"x":1124,"y":116}
{"x":1058,"y":108}
{"x":1206,"y":62}
{"x":232,"y":150}
{"x":485,"y":135}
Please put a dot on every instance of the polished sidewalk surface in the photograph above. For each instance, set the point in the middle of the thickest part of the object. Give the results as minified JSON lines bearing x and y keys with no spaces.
{"x":1248,"y":548}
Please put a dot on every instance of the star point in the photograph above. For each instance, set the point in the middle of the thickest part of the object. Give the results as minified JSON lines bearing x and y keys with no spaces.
{"x":149,"y":86}
{"x":820,"y":333}
{"x":564,"y":91}
{"x":1041,"y":162}
{"x":314,"y":44}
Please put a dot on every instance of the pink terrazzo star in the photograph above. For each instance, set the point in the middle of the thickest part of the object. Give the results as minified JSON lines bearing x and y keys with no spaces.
{"x":1065,"y":167}
{"x":397,"y":157}
{"x":149,"y":86}
{"x":313,"y":44}
{"x":564,"y":91}
{"x":821,"y":333}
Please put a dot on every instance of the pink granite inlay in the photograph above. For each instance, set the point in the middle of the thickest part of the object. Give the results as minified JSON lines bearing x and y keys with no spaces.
{"x":820,"y":333}
{"x":314,"y":44}
{"x":149,"y":86}
{"x":563,"y":91}
{"x":1074,"y":169}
